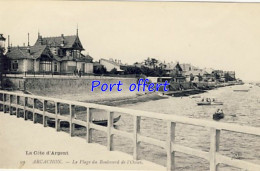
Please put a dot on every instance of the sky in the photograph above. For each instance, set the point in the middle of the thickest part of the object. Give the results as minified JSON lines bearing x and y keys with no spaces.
{"x":214,"y":35}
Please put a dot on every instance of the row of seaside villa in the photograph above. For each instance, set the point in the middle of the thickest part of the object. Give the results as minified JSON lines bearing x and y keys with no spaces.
{"x":63,"y":55}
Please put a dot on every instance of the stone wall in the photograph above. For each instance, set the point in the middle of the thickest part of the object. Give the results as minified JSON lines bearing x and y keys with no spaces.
{"x":74,"y":88}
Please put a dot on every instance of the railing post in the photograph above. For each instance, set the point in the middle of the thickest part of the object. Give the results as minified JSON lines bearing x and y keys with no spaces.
{"x":17,"y":108}
{"x":170,"y":139}
{"x":24,"y":108}
{"x":137,"y":122}
{"x":72,"y":115}
{"x":109,"y":128}
{"x":214,"y":148}
{"x":89,"y":130}
{"x":1,"y":99}
{"x":57,"y":120}
{"x":10,"y":103}
{"x":44,"y":119}
{"x":34,"y":114}
{"x":4,"y":103}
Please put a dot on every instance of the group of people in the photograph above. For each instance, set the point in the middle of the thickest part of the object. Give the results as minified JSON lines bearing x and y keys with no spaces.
{"x":208,"y":100}
{"x":219,"y":111}
{"x":78,"y":72}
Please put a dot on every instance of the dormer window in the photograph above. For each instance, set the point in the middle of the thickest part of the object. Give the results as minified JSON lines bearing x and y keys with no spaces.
{"x":15,"y":65}
{"x":55,"y":51}
{"x":60,"y":52}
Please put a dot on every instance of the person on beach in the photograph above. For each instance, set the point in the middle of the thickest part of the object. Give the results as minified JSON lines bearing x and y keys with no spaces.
{"x":80,"y":73}
{"x":76,"y":72}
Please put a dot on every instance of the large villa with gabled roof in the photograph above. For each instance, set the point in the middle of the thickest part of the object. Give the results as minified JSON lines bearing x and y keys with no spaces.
{"x":60,"y":54}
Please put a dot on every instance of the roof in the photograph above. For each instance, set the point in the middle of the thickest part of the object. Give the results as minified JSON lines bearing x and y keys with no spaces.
{"x":170,"y":66}
{"x":178,"y":67}
{"x":97,"y":64}
{"x":87,"y":57}
{"x":37,"y":51}
{"x":2,"y":37}
{"x":112,"y":62}
{"x":195,"y":72}
{"x":22,"y":53}
{"x":208,"y":70}
{"x":186,"y":67}
{"x":69,"y":41}
{"x":83,"y":58}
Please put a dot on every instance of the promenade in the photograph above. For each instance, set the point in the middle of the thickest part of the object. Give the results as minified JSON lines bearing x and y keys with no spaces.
{"x":31,"y":146}
{"x":28,"y":145}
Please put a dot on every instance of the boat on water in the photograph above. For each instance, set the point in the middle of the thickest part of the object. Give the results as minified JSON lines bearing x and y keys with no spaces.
{"x":102,"y":122}
{"x":219,"y":114}
{"x":203,"y":103}
{"x":241,"y":90}
{"x":209,"y":101}
{"x":195,"y":96}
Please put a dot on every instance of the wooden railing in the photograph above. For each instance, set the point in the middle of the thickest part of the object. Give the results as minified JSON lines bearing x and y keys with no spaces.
{"x":213,"y":156}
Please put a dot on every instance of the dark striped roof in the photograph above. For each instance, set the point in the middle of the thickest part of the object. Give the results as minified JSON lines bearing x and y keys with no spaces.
{"x":22,"y":53}
{"x":69,"y":41}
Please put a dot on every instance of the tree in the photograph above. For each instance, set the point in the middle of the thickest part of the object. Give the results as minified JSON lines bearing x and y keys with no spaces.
{"x":114,"y":71}
{"x":154,"y":62}
{"x":216,"y":75}
{"x":151,"y":62}
{"x":200,"y":77}
{"x":191,"y":77}
{"x":228,"y":77}
{"x":100,"y":70}
{"x":132,"y":70}
{"x":159,"y":72}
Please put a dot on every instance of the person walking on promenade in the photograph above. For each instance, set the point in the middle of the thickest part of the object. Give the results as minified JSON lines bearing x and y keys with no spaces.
{"x":80,"y":73}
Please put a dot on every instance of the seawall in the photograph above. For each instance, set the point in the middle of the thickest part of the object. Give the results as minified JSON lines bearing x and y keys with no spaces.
{"x":73,"y":88}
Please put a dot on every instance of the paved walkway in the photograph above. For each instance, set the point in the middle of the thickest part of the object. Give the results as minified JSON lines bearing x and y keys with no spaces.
{"x":27,"y":145}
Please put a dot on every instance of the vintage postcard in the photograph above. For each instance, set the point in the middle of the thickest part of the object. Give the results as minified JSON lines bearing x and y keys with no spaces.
{"x":109,"y":85}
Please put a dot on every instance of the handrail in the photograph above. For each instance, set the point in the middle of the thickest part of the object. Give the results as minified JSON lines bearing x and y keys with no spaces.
{"x":155,"y":115}
{"x":171,"y":147}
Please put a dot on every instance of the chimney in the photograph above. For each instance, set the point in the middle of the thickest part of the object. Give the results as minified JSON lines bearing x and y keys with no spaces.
{"x":28,"y":39}
{"x":28,"y":48}
{"x":62,"y":40}
{"x":8,"y":48}
{"x":77,"y":34}
{"x":40,"y":38}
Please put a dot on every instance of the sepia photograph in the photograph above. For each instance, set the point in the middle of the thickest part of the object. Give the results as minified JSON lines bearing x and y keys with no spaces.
{"x":130,"y":85}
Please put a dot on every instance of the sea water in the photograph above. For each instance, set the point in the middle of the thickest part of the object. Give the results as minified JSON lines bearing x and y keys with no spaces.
{"x":242,"y":108}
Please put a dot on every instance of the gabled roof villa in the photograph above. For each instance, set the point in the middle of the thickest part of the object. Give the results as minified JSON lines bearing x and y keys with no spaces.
{"x":60,"y":54}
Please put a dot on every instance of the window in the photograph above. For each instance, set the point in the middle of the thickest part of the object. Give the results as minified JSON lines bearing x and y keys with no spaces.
{"x":15,"y":65}
{"x":60,"y":52}
{"x":45,"y":66}
{"x":55,"y":67}
{"x":55,"y":51}
{"x":83,"y":67}
{"x":71,"y":68}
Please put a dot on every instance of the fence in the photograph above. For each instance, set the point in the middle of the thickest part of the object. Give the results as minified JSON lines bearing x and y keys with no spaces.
{"x":213,"y":156}
{"x":64,"y":74}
